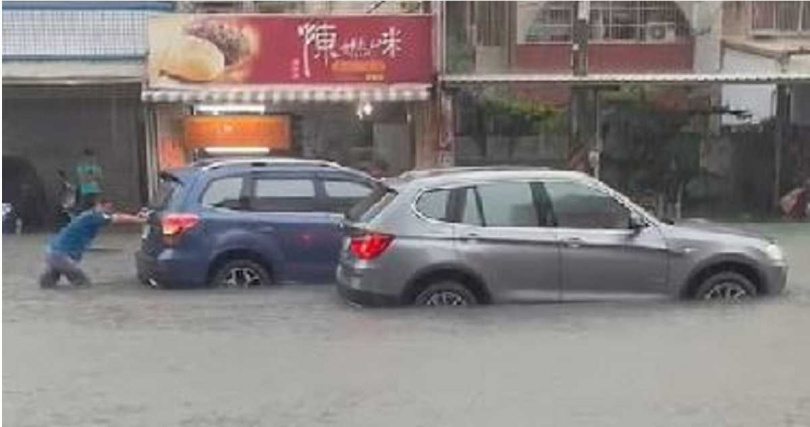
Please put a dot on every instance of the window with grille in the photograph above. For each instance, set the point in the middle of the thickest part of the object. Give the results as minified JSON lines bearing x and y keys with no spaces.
{"x":551,"y":22}
{"x":491,"y":18}
{"x":610,"y":21}
{"x":780,"y":17}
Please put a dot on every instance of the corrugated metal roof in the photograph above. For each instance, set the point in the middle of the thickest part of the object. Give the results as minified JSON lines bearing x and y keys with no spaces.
{"x":74,"y":33}
{"x":605,"y":79}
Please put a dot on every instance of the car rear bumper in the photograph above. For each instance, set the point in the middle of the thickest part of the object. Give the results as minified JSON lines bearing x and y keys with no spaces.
{"x":350,"y":287}
{"x":170,"y":270}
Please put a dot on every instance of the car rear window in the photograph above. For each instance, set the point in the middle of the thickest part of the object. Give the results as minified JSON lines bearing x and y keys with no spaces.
{"x":435,"y":204}
{"x":168,"y":189}
{"x":372,"y":205}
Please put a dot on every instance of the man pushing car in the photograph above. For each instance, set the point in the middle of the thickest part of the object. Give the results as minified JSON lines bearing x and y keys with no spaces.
{"x":65,"y":250}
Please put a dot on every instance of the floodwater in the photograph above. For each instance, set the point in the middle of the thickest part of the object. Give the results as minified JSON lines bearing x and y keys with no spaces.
{"x":120,"y":354}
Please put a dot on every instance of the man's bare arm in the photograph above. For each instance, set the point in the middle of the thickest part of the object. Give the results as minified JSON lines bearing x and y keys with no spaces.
{"x":123,"y":218}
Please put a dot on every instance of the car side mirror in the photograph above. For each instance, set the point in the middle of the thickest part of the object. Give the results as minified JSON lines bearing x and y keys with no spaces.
{"x":636,"y":222}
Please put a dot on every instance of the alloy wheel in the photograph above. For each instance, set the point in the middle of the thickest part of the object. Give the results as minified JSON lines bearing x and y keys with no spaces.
{"x":727,"y":291}
{"x":241,"y":277}
{"x":446,"y":298}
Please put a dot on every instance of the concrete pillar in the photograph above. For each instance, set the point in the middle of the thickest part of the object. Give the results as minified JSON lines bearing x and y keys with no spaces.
{"x":426,"y":124}
{"x":782,"y":123}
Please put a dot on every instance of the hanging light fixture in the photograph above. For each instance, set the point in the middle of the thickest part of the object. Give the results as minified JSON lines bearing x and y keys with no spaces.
{"x":364,"y":110}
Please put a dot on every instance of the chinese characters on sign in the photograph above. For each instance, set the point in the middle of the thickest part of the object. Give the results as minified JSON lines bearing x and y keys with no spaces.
{"x":290,"y":50}
{"x":321,"y":41}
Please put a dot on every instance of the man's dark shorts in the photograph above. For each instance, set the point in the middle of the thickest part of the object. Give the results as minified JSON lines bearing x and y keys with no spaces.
{"x":58,"y":264}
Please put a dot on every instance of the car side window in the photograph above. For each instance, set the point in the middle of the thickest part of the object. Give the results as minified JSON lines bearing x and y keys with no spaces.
{"x":283,"y":195}
{"x":580,"y":206}
{"x":471,"y":211}
{"x":346,"y":189}
{"x":342,"y":194}
{"x":434,"y":204}
{"x":508,"y":204}
{"x":223,"y":193}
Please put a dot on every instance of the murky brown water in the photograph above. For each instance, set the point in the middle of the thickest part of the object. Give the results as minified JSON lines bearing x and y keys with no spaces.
{"x":123,"y":355}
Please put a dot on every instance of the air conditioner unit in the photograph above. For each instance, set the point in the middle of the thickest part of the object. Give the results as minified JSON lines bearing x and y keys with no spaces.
{"x":659,"y":32}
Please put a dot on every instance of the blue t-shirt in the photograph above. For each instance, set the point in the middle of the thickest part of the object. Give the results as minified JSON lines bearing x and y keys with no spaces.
{"x":74,"y":239}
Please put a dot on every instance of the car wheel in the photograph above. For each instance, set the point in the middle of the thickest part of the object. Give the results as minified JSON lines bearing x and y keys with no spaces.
{"x":447,"y":294}
{"x":726,"y":286}
{"x":242,"y":273}
{"x":143,"y":280}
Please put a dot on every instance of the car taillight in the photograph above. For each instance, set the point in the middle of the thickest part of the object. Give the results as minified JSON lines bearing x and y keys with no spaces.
{"x":370,"y":246}
{"x":175,"y":225}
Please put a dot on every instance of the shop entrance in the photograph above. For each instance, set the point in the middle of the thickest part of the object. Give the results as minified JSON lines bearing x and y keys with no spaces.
{"x":374,"y":137}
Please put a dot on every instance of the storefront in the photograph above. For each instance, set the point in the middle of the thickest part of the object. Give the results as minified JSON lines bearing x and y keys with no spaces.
{"x":354,"y":89}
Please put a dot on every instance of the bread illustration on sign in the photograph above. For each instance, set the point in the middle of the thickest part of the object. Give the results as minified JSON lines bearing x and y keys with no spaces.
{"x":205,"y":51}
{"x":194,"y":59}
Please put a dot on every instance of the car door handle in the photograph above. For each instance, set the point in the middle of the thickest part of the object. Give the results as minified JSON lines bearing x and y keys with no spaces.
{"x":470,"y":237}
{"x":574,"y":242}
{"x":266,"y":229}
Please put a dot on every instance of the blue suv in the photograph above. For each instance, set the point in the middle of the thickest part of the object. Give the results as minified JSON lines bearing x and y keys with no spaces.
{"x":249,"y":222}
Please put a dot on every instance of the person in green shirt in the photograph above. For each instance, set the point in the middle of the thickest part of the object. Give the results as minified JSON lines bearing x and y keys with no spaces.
{"x":89,"y":173}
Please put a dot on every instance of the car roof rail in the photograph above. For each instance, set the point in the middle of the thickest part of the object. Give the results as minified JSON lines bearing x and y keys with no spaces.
{"x":423,"y":173}
{"x":263,"y":162}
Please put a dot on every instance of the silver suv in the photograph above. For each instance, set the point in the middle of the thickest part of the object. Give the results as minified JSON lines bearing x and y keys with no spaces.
{"x":467,"y":236}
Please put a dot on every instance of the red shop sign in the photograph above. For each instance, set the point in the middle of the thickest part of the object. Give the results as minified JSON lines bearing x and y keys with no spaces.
{"x":266,"y":49}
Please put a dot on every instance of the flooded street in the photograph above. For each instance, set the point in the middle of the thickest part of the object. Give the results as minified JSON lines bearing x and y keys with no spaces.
{"x":120,"y":354}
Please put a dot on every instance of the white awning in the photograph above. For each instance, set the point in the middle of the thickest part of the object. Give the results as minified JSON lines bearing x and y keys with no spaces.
{"x":799,"y":64}
{"x":71,"y":72}
{"x":288,"y":94}
{"x":611,"y":79}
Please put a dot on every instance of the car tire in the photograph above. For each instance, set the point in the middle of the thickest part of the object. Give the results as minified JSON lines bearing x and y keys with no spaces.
{"x":241,"y":273}
{"x":727,"y":286}
{"x":143,"y":280}
{"x":445,"y":294}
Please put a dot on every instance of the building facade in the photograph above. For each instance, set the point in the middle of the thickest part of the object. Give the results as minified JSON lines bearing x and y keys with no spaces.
{"x":768,"y":38}
{"x":583,"y":85}
{"x":351,"y":87}
{"x":72,"y":81}
{"x":640,"y":94}
{"x":76,"y":76}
